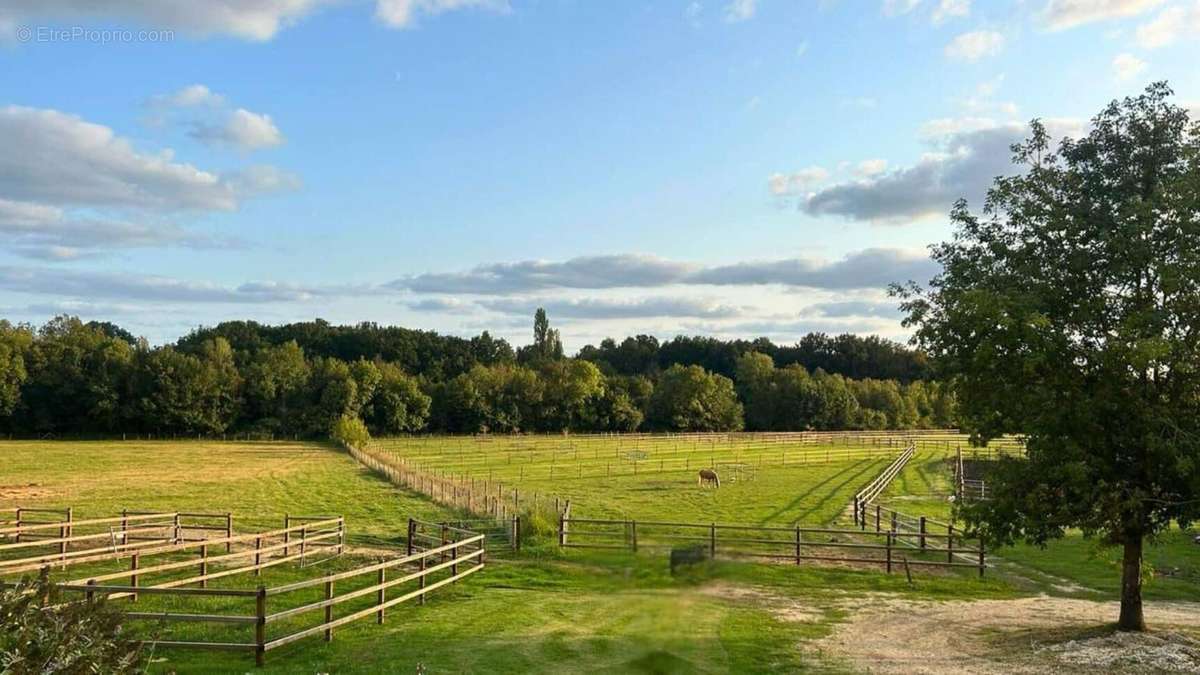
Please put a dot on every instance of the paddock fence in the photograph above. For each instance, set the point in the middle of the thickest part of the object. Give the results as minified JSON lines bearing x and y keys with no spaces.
{"x":497,"y":507}
{"x":891,"y":550}
{"x":872,"y":490}
{"x":158,"y":547}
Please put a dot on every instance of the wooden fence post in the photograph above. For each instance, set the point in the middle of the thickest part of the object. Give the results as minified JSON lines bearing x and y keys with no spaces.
{"x":133,"y":578}
{"x":178,"y":530}
{"x":124,"y":527}
{"x":204,"y":565}
{"x":856,"y":509}
{"x":421,"y":581}
{"x":878,"y":512}
{"x":889,"y":551}
{"x":303,"y":541}
{"x":712,"y":540}
{"x":982,"y":555}
{"x":257,"y":556}
{"x":922,"y":533}
{"x":633,"y":534}
{"x":287,"y":533}
{"x":260,"y":626}
{"x":950,"y":543}
{"x":445,"y":540}
{"x":517,"y":532}
{"x":382,"y":596}
{"x":797,"y":545}
{"x":90,"y":595}
{"x":411,"y":531}
{"x":229,"y":532}
{"x":17,"y":536}
{"x":329,"y":610}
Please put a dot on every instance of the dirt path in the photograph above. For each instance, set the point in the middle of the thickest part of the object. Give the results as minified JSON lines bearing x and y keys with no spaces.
{"x":1031,"y":635}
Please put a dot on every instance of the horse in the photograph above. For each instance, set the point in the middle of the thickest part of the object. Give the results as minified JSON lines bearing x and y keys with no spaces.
{"x":708,"y":476}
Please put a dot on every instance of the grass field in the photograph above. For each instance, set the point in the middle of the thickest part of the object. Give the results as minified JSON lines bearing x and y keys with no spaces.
{"x":545,"y":610}
{"x":539,"y":612}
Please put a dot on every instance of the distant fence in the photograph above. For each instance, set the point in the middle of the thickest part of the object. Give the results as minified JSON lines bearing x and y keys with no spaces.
{"x":494,"y":501}
{"x":886,"y":548}
{"x":876,"y":487}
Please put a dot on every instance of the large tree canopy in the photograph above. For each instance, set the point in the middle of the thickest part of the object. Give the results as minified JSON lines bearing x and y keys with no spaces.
{"x":1069,"y":311}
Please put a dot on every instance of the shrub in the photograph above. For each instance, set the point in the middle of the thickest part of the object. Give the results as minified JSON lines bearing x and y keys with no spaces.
{"x":349,"y":430}
{"x":41,"y":633}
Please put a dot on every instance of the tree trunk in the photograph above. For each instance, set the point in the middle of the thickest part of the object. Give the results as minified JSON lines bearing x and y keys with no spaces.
{"x":1131,"y":587}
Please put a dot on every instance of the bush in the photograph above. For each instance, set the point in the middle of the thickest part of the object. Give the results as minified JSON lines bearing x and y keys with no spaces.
{"x":40,"y":633}
{"x":349,"y":430}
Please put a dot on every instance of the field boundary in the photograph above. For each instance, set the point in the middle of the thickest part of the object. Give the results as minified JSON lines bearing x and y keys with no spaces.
{"x":887,"y":548}
{"x":441,"y":559}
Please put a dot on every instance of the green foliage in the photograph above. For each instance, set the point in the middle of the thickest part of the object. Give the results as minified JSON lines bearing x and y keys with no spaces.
{"x":1067,"y":312}
{"x":398,"y":405}
{"x":692,"y":399}
{"x":296,"y":380}
{"x":42,"y":634}
{"x":349,"y":430}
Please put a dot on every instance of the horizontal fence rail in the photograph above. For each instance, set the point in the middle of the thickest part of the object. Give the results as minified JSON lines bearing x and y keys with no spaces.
{"x":437,"y":554}
{"x":886,"y":548}
{"x":876,"y":487}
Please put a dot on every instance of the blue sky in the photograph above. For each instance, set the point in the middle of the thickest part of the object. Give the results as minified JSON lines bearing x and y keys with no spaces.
{"x":733,"y":168}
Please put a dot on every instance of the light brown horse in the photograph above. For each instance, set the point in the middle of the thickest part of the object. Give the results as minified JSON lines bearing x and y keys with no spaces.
{"x":708,"y":476}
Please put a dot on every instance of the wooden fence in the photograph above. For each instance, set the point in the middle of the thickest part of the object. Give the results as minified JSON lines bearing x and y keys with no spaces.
{"x":132,"y":534}
{"x":876,"y":487}
{"x":886,"y":548}
{"x":915,"y":531}
{"x":437,"y":555}
{"x":491,"y":500}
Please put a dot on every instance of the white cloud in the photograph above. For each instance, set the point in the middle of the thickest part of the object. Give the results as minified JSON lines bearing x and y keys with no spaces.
{"x":616,"y":308}
{"x":71,"y":189}
{"x":961,"y":164}
{"x":50,"y":233}
{"x":404,"y":13}
{"x":898,"y":7}
{"x":1169,"y":26}
{"x":869,"y":268}
{"x":946,"y":126}
{"x":1127,"y":66}
{"x":797,"y":183}
{"x":188,"y":97}
{"x":740,"y":10}
{"x":870,"y":167}
{"x":243,"y":130}
{"x":949,"y":9}
{"x":92,"y":285}
{"x":975,"y":45}
{"x":248,"y":19}
{"x":56,"y":158}
{"x":1063,"y":14}
{"x":261,"y":179}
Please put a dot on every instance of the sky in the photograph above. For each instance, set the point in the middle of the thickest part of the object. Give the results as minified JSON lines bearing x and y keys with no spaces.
{"x":736,"y":168}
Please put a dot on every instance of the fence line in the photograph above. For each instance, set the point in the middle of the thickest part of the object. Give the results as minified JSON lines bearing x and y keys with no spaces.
{"x":460,"y":555}
{"x":492,"y":500}
{"x":886,"y":548}
{"x":873,"y":489}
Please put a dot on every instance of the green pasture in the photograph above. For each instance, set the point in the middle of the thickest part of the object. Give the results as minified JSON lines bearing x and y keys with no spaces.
{"x":545,"y":610}
{"x":542,"y":611}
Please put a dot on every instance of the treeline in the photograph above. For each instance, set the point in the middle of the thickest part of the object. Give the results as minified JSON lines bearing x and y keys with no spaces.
{"x":70,"y":377}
